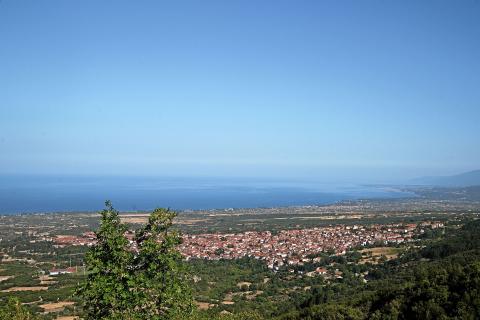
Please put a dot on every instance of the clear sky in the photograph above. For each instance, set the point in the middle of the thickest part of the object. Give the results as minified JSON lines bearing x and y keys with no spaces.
{"x":274,"y":88}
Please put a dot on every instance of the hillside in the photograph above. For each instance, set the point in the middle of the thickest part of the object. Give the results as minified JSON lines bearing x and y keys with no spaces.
{"x":471,"y":178}
{"x":438,"y":282}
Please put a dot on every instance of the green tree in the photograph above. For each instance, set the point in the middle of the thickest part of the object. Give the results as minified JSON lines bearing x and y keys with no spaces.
{"x":106,"y":292}
{"x":159,"y":277}
{"x":146,"y":280}
{"x":335,"y":312}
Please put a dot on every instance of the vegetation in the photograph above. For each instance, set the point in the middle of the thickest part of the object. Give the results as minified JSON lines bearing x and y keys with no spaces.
{"x":14,"y":310}
{"x":445,"y":287}
{"x":143,"y":280}
{"x":142,"y":276}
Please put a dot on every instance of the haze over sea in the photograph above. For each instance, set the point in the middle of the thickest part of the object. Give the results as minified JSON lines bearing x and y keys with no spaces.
{"x":30,"y":194}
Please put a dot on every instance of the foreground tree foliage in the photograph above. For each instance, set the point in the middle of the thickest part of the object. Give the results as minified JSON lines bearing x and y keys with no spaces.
{"x":146,"y":280}
{"x":159,"y":283}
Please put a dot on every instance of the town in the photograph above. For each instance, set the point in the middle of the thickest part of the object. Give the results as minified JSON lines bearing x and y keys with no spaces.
{"x":295,"y":247}
{"x":285,"y":247}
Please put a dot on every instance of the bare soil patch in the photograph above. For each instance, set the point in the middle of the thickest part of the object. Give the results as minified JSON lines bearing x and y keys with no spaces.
{"x":204,"y":305}
{"x":243,"y":284}
{"x":385,"y":251}
{"x":373,"y":254}
{"x":56,"y":306}
{"x":15,"y":289}
{"x":4,"y":278}
{"x":252,"y":295}
{"x":134,"y":220}
{"x":47,"y":280}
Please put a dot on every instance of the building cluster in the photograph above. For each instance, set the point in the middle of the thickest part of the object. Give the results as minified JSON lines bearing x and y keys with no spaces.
{"x":286,"y":247}
{"x":85,"y":239}
{"x":56,"y":272}
{"x":294,"y":247}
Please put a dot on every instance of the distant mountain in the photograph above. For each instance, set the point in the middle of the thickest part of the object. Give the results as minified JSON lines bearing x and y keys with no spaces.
{"x":466,"y":179}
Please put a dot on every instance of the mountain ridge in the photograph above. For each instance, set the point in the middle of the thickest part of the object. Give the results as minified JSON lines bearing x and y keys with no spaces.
{"x":465,"y":179}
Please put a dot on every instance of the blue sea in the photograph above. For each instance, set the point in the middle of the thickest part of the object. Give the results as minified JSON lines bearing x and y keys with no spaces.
{"x":35,"y":194}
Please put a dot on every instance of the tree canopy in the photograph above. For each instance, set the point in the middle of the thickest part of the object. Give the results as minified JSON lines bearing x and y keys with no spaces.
{"x":140,"y":279}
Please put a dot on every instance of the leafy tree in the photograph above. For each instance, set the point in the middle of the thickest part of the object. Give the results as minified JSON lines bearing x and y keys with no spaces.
{"x":106,"y":292}
{"x":141,"y":281}
{"x":335,"y":312}
{"x":159,"y":283}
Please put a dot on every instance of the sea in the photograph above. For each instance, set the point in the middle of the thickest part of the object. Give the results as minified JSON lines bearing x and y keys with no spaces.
{"x":53,"y":193}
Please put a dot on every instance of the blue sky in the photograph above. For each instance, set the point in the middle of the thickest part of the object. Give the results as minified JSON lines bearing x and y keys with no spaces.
{"x":232,"y":88}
